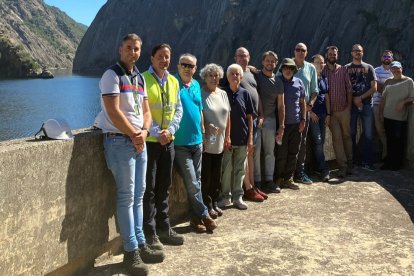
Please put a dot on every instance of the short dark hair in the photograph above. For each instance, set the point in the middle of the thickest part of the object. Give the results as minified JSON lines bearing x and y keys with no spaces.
{"x":317,"y":56}
{"x":159,"y":46}
{"x":388,"y":51}
{"x":331,"y":48}
{"x":133,"y":37}
{"x":269,"y":53}
{"x":357,"y":45}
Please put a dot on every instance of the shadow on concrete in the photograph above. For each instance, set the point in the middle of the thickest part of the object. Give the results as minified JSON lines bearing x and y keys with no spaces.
{"x":400,"y":184}
{"x":90,"y":203}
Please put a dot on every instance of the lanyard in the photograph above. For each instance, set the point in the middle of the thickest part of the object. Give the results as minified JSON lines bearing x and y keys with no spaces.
{"x":134,"y":87}
{"x":165,"y":96}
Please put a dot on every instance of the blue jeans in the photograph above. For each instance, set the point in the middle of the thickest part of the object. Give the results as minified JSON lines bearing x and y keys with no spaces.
{"x":266,"y":140}
{"x":317,"y":132}
{"x":188,"y":161}
{"x":367,"y":118}
{"x":129,"y":170}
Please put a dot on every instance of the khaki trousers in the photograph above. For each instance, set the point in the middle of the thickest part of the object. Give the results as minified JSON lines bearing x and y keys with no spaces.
{"x":340,"y":126}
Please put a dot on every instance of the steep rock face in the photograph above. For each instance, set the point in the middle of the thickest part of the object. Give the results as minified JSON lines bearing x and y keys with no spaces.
{"x":44,"y":33}
{"x":212,"y":30}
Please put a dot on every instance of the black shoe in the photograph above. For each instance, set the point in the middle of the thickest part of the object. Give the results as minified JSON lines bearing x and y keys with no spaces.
{"x":271,"y":187}
{"x":258,"y":184}
{"x":134,"y":264}
{"x":325,"y":176}
{"x":154,"y":243}
{"x":170,"y":237}
{"x":150,"y":256}
{"x":342,"y":172}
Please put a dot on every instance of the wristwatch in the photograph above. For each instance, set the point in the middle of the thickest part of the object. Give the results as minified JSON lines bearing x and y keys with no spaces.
{"x":148,"y":133}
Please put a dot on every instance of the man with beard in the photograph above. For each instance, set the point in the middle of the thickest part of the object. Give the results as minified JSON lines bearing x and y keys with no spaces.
{"x":383,"y":73}
{"x":270,"y":91}
{"x":339,"y":103}
{"x":363,"y":81}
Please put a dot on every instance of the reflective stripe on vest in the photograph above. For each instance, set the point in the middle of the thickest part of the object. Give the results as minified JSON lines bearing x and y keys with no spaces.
{"x":161,"y":115}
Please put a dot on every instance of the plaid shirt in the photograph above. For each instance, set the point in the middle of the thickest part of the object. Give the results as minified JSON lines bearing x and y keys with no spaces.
{"x":339,"y":87}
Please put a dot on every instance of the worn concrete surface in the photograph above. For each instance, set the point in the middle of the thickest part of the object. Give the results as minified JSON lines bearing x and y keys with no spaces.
{"x":362,"y":226}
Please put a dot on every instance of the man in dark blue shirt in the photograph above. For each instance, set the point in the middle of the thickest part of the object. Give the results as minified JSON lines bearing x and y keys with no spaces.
{"x":295,"y":118}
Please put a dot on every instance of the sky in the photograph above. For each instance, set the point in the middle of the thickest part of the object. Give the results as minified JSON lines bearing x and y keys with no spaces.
{"x":82,"y":11}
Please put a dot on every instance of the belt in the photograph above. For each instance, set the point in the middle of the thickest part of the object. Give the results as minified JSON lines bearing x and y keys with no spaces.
{"x":112,"y":134}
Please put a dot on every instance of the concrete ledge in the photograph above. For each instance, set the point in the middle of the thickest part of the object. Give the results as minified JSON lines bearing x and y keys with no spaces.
{"x":58,"y":205}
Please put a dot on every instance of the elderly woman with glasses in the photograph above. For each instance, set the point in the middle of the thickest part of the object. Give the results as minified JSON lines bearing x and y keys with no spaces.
{"x":216,"y":112}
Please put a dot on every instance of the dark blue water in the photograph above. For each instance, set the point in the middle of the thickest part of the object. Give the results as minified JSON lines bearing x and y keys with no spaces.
{"x":25,"y":104}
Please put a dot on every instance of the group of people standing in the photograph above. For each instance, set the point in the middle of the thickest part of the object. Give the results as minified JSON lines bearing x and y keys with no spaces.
{"x":231,"y":140}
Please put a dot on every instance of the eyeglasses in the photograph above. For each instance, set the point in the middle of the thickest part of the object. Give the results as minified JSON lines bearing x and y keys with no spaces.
{"x":386,"y":56}
{"x":300,"y":50}
{"x":187,"y":65}
{"x":290,"y":68}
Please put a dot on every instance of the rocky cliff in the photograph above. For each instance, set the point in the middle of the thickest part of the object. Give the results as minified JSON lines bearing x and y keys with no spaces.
{"x":35,"y":35}
{"x":212,"y":29}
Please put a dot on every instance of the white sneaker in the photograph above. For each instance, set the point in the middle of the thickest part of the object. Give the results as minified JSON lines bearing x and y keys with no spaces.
{"x":223,"y":203}
{"x":240,"y":204}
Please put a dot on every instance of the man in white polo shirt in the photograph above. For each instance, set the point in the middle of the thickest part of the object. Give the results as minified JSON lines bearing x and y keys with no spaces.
{"x":124,"y":120}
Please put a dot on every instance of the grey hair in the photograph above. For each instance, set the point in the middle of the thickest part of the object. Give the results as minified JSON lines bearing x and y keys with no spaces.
{"x":235,"y":66}
{"x":188,"y":55}
{"x":211,"y":68}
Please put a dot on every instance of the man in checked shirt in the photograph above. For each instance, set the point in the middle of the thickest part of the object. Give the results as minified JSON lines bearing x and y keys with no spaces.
{"x":339,"y":110}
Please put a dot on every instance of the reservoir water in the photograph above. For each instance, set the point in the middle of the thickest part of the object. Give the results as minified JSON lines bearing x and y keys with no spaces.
{"x":26,"y":104}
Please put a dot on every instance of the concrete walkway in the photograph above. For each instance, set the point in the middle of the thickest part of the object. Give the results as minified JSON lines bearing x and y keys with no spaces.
{"x":362,"y":226}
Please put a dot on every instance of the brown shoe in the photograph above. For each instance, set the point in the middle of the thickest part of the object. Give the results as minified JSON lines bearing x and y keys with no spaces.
{"x":289,"y":184}
{"x":209,"y":223}
{"x":197,"y":225}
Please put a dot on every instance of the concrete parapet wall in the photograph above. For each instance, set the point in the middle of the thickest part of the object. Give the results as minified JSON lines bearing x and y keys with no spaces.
{"x":57,"y":203}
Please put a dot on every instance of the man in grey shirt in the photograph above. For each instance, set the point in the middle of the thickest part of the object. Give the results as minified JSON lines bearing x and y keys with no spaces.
{"x":271,"y":96}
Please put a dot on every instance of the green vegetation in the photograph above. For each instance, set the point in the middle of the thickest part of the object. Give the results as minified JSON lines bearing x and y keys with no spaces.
{"x":15,"y":61}
{"x":40,"y":25}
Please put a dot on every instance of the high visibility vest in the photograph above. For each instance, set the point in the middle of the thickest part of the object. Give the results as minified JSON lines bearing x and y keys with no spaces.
{"x":162,"y":101}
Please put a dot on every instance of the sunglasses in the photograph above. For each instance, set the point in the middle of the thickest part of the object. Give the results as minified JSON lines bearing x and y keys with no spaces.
{"x":290,"y":68}
{"x":187,"y":65}
{"x":300,"y":50}
{"x":385,"y":57}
